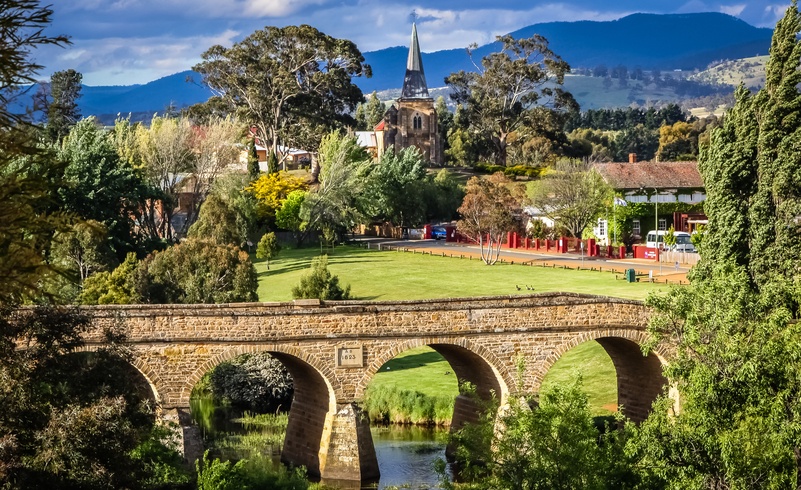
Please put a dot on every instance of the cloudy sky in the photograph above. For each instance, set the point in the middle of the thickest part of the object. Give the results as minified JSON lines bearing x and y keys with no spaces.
{"x":122,"y":42}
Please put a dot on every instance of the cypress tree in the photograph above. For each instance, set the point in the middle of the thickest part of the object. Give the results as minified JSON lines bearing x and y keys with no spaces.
{"x":752,"y":173}
{"x":729,"y":167}
{"x":253,"y":161}
{"x":774,"y":237}
{"x":272,"y":163}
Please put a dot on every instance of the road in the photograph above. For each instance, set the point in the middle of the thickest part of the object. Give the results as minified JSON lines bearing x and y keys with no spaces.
{"x":660,"y":272}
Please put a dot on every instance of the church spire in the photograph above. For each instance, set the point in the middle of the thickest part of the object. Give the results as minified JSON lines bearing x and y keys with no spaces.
{"x":414,"y":83}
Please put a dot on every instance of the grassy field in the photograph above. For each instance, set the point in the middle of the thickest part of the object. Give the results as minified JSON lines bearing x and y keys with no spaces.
{"x":375,"y":275}
{"x":387,"y":275}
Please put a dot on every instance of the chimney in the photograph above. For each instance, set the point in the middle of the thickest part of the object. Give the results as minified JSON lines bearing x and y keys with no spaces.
{"x":632,"y":158}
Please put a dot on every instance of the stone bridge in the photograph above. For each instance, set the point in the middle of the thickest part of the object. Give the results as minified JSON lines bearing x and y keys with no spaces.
{"x":334,"y":348}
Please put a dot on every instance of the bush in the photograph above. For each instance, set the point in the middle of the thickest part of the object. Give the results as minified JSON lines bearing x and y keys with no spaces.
{"x":516,"y":171}
{"x":319,"y":283}
{"x":247,"y":474}
{"x":257,"y":382}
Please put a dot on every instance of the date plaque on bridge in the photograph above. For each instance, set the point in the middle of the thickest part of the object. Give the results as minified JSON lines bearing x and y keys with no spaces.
{"x":350,"y":357}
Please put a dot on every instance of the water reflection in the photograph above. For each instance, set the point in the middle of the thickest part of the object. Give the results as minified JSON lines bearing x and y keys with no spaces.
{"x":406,"y":455}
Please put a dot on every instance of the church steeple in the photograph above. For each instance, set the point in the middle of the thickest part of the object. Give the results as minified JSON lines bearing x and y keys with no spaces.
{"x":414,"y":83}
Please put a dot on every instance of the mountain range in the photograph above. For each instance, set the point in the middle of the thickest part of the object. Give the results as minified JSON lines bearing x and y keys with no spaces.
{"x":648,"y":41}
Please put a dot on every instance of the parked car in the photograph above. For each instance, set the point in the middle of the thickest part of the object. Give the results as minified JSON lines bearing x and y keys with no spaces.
{"x":439,"y":233}
{"x":683,"y":243}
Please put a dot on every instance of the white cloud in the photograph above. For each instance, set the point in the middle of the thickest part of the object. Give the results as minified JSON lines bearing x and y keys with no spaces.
{"x":277,"y":8}
{"x":734,"y":10}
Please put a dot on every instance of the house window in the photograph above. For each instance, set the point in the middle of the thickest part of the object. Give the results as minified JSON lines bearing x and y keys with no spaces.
{"x":662,"y":224}
{"x":635,"y":227}
{"x":601,"y":228}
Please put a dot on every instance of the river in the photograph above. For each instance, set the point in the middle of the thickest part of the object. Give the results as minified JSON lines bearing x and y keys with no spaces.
{"x":406,"y":454}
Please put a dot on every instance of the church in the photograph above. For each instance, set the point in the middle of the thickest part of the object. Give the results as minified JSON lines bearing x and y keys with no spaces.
{"x":412,"y":120}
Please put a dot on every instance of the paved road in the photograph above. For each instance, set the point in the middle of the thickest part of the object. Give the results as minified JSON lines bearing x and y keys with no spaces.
{"x":663,"y":273}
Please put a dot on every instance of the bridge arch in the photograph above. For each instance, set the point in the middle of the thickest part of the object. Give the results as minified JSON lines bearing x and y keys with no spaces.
{"x":639,"y":377}
{"x":151,"y":377}
{"x":314,"y":402}
{"x":470,"y":361}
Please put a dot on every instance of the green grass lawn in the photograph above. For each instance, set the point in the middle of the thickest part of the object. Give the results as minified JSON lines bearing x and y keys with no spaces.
{"x":384,"y":275}
{"x":407,"y":369}
{"x":598,"y":379}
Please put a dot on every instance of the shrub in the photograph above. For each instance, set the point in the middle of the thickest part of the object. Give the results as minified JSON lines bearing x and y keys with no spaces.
{"x":256,"y":382}
{"x":319,"y":283}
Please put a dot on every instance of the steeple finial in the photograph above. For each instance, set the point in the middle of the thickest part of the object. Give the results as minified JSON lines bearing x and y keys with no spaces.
{"x":414,"y":83}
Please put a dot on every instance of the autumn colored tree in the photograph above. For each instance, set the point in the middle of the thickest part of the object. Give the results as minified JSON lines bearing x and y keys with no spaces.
{"x":270,"y":190}
{"x":491,"y":209}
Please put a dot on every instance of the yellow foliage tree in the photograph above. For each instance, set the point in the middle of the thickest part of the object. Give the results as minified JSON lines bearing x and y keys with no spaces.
{"x":271,"y":190}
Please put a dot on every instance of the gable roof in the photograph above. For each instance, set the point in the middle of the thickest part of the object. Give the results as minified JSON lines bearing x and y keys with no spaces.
{"x":645,"y":175}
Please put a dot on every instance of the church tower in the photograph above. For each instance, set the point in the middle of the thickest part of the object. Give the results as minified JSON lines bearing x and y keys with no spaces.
{"x":413,"y":120}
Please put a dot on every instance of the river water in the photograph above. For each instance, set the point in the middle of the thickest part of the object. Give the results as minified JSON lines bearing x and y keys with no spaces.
{"x":406,"y":454}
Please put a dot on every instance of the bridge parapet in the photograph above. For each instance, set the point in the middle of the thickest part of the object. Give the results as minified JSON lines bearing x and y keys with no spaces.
{"x":334,"y":348}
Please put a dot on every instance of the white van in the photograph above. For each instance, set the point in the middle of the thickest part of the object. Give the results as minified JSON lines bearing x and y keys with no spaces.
{"x":656,"y":239}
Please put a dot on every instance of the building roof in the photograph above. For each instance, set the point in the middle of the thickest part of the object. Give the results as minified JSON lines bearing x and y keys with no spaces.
{"x":414,"y":83}
{"x":365,"y":139}
{"x":379,"y":126}
{"x":647,"y":175}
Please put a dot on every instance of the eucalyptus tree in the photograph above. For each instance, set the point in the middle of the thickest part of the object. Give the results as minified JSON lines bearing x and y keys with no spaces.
{"x":293,"y":83}
{"x":511,"y":89}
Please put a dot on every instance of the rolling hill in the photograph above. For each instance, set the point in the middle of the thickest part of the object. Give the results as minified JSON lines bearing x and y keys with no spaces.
{"x":666,"y":42}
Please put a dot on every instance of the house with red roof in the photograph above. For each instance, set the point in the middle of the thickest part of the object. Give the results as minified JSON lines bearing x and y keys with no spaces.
{"x":658,"y":183}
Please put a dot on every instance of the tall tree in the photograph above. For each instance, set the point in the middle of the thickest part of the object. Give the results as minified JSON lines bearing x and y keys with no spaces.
{"x":369,"y":114}
{"x":98,"y":185}
{"x":735,"y":331}
{"x":332,"y":208}
{"x":288,"y":82}
{"x":62,"y":111}
{"x":510,"y":85}
{"x":167,"y":155}
{"x":216,"y":146}
{"x":24,"y":23}
{"x":572,"y":194}
{"x":489,"y":211}
{"x":26,"y":194}
{"x":394,"y":189}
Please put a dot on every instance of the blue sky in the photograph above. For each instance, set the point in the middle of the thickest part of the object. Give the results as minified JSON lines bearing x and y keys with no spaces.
{"x":122,"y":42}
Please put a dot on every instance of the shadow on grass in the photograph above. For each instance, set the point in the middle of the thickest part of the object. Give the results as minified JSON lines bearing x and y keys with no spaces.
{"x":413,"y":361}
